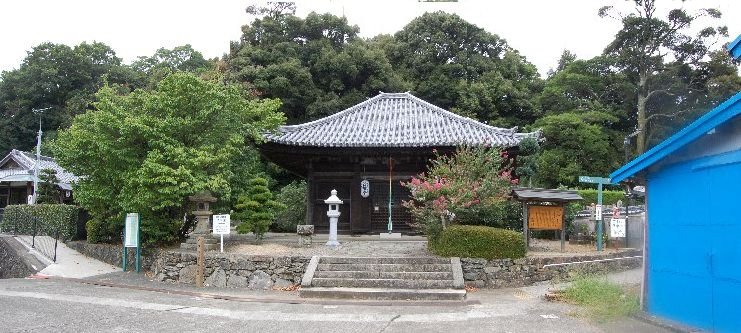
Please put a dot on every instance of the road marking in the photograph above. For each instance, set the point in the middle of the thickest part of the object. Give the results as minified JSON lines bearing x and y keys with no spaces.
{"x":263,"y":315}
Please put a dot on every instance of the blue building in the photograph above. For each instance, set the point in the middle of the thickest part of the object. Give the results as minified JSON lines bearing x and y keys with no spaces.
{"x":692,"y":270}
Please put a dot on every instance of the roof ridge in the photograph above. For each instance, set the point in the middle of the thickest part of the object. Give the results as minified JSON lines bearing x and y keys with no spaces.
{"x":462,"y":118}
{"x":350,"y":110}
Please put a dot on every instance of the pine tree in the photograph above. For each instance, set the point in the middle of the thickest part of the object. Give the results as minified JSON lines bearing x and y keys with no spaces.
{"x":256,"y":209}
{"x":48,"y":192}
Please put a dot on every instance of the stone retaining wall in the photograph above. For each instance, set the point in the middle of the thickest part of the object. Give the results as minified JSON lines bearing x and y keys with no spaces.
{"x":113,"y":254}
{"x":12,"y":264}
{"x":231,"y":270}
{"x":508,"y":273}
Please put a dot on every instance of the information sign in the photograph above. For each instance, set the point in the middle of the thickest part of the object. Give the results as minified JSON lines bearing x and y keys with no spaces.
{"x":222,"y":224}
{"x":131,"y":234}
{"x":617,"y":228}
{"x":598,"y":212}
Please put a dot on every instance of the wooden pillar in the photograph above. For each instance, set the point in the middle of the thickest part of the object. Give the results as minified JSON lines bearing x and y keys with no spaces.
{"x":563,"y":229}
{"x":310,"y":191}
{"x":356,"y":223}
{"x":524,"y":225}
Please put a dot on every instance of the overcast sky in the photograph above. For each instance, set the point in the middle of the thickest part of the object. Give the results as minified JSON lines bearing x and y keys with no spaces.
{"x":539,"y":29}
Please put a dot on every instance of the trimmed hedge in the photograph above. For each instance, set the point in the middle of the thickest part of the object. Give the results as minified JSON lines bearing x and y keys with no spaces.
{"x":51,"y":218}
{"x":469,"y":241}
{"x":608,"y":197}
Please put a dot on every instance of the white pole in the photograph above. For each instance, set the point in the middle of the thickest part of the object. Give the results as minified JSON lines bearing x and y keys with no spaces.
{"x":222,"y":243}
{"x":38,"y":157}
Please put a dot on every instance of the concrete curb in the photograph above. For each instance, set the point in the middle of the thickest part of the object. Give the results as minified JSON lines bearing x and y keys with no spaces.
{"x":310,"y":269}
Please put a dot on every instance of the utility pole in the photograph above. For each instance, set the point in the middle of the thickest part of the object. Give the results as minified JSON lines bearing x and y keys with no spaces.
{"x":38,"y":156}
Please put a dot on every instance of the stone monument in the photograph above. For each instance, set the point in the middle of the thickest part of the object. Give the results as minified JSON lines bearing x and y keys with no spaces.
{"x":203,"y":215}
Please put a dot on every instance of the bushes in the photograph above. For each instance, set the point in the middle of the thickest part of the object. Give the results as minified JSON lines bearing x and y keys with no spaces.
{"x":505,"y":215}
{"x":293,"y":197}
{"x":608,"y":197}
{"x":478,"y":242}
{"x":50,"y":219}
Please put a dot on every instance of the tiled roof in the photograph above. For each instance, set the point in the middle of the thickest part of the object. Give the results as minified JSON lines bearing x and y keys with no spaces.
{"x":27,"y":161}
{"x":524,"y":194}
{"x":395,"y":120}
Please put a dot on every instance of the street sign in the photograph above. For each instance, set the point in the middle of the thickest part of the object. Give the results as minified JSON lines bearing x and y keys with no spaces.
{"x":131,"y":235}
{"x":598,"y":212}
{"x":617,"y":228}
{"x":222,"y":224}
{"x":594,"y":180}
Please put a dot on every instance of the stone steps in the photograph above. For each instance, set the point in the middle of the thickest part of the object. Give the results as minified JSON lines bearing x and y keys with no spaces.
{"x":385,"y":294}
{"x":386,"y":267}
{"x":391,"y":278}
{"x":384,"y":275}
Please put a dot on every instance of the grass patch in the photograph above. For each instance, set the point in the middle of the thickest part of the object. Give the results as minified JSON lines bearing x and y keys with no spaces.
{"x":602,"y":300}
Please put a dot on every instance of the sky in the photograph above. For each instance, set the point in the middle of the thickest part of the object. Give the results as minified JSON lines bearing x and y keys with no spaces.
{"x":539,"y":29}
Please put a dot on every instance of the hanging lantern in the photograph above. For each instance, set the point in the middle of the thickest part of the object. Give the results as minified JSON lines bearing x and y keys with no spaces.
{"x":364,"y":188}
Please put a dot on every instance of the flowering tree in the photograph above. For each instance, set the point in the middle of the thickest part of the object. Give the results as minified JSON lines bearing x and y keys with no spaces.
{"x":457,"y":185}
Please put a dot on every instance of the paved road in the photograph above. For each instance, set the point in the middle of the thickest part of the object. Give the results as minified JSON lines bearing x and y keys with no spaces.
{"x":64,"y":305}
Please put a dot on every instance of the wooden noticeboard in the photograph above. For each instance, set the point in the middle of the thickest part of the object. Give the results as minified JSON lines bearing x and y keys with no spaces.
{"x":544,"y":217}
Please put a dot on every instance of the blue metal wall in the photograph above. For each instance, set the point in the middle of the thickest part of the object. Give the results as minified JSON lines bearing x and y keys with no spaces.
{"x":694,"y":242}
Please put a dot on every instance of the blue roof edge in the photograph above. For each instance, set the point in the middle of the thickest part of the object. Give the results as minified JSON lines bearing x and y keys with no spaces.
{"x":691,"y":132}
{"x":735,"y":47}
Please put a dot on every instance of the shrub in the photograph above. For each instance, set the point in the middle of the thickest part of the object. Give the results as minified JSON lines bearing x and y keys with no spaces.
{"x":478,"y":242}
{"x":608,"y":197}
{"x":504,"y":215}
{"x":50,"y":219}
{"x":257,"y":209}
{"x":293,"y":197}
{"x":460,"y":184}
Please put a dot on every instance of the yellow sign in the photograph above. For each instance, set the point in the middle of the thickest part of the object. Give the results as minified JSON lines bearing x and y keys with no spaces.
{"x":544,"y":217}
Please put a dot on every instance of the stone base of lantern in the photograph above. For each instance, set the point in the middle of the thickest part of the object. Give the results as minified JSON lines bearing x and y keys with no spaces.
{"x":386,"y":235}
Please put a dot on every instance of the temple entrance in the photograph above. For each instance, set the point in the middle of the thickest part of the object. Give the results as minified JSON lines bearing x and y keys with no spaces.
{"x":379,"y":207}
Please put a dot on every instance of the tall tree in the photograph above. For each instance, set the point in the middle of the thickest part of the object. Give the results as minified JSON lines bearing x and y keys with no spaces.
{"x":652,"y":51}
{"x":316,"y":66}
{"x":459,"y":66}
{"x":148,"y":150}
{"x":165,"y":61}
{"x":57,"y":76}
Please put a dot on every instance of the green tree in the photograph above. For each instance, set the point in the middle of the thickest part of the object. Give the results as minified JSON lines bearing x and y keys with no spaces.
{"x":463,"y":68}
{"x":316,"y":66}
{"x":256,"y":209}
{"x":293,"y":197}
{"x":659,"y":57}
{"x":146,"y":151}
{"x":65,"y":78}
{"x":165,"y":61}
{"x":574,"y":146}
{"x":48,"y":192}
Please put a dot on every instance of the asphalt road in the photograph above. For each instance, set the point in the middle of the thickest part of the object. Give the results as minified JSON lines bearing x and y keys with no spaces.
{"x":64,"y":305}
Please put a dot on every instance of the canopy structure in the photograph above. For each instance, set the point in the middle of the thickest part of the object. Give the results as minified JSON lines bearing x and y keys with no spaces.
{"x":543,"y":209}
{"x":375,"y":144}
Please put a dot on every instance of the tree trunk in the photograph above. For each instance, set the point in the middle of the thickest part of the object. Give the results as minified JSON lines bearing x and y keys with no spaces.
{"x":641,"y":116}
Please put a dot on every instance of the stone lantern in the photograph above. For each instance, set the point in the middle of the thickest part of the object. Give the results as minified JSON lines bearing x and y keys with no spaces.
{"x":333,"y":213}
{"x":202,"y":200}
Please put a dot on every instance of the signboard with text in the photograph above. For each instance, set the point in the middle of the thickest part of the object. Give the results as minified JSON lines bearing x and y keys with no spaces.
{"x":617,"y":228}
{"x":544,"y":217}
{"x":131,"y":232}
{"x":222,"y":224}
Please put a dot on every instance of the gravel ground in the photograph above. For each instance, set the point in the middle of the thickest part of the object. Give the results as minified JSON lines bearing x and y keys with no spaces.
{"x":547,"y":247}
{"x":349,"y":248}
{"x":538,"y":247}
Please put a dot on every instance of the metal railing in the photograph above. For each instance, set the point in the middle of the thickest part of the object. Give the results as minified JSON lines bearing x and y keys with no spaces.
{"x":40,"y":237}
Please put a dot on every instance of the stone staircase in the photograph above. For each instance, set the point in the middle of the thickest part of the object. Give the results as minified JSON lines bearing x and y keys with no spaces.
{"x":400,"y":278}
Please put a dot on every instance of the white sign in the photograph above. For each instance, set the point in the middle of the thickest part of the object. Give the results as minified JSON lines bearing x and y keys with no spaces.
{"x":222,"y":224}
{"x":598,"y":212}
{"x":364,"y":188}
{"x":617,"y":228}
{"x":131,"y":234}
